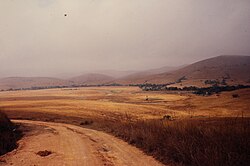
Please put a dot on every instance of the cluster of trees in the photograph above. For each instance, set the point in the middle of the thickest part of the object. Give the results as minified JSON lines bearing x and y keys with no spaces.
{"x":216,"y":82}
{"x":181,"y":79}
{"x":35,"y":88}
{"x":211,"y":82}
{"x":57,"y":86}
{"x":153,"y":87}
{"x":164,"y":87}
{"x":196,"y":90}
{"x":217,"y":89}
{"x":160,"y":87}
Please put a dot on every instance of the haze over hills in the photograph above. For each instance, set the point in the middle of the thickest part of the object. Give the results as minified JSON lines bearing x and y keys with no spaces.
{"x":28,"y":82}
{"x":236,"y":69}
{"x":233,"y":69}
{"x":115,"y":73}
{"x":84,"y":79}
{"x":139,"y":77}
{"x":91,"y":79}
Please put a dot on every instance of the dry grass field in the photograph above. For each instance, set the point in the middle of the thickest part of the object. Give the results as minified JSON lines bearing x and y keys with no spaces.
{"x":115,"y":102}
{"x":201,"y":125}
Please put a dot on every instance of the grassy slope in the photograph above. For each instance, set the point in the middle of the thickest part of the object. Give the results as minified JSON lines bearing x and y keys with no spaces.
{"x":235,"y":68}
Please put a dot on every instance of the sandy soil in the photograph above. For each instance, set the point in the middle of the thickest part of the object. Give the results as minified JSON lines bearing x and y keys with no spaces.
{"x":72,"y":145}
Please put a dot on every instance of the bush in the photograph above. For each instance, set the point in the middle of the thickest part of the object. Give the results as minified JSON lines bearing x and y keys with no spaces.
{"x":8,"y":137}
{"x":87,"y":122}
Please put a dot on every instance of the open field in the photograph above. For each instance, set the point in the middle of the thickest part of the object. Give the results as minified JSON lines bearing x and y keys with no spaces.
{"x":115,"y":102}
{"x":201,"y":126}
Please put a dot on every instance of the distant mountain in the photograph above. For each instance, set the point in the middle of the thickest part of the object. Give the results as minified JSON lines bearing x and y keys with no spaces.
{"x":91,"y":79}
{"x":235,"y":69}
{"x":139,"y":77}
{"x":28,"y":82}
{"x":222,"y":69}
{"x":116,"y":73}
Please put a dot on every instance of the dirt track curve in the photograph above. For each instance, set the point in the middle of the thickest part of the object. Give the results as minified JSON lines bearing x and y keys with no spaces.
{"x":72,"y":145}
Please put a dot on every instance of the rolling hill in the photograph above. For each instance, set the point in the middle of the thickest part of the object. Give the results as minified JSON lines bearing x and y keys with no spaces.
{"x":234,"y":69}
{"x":91,"y":79}
{"x":139,"y":77}
{"x":231,"y":70}
{"x":115,"y":73}
{"x":28,"y":82}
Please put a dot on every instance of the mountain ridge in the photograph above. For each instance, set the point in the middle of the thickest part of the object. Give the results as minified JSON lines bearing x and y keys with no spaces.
{"x":230,"y":68}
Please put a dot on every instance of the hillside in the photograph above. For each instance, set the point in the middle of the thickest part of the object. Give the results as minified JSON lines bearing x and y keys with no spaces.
{"x":28,"y":82}
{"x":91,"y":79}
{"x":222,"y":69}
{"x":115,"y":73}
{"x":234,"y":69}
{"x":139,"y":77}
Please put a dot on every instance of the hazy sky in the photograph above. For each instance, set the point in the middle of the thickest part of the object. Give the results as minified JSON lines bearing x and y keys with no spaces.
{"x":36,"y":39}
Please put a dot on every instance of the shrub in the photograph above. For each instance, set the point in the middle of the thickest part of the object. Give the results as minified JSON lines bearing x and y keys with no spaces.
{"x":86,"y":122}
{"x":8,"y":137}
{"x":167,"y":117}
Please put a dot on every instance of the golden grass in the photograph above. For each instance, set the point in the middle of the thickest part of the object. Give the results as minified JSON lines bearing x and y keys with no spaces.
{"x":210,"y":142}
{"x":124,"y":111}
{"x":117,"y":101}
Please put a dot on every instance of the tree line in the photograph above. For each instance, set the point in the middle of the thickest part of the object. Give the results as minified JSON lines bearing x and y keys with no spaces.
{"x":195,"y":90}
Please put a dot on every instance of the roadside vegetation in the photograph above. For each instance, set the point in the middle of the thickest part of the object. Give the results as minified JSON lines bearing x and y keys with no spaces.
{"x":205,"y":141}
{"x":189,"y":142}
{"x":8,"y":134}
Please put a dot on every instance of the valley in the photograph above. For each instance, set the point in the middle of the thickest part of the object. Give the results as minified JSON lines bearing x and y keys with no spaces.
{"x":115,"y":109}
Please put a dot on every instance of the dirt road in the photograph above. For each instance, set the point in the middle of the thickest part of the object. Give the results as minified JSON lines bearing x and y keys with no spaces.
{"x":73,"y":145}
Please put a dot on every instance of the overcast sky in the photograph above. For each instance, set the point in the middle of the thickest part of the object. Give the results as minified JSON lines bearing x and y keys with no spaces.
{"x":37,"y":39}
